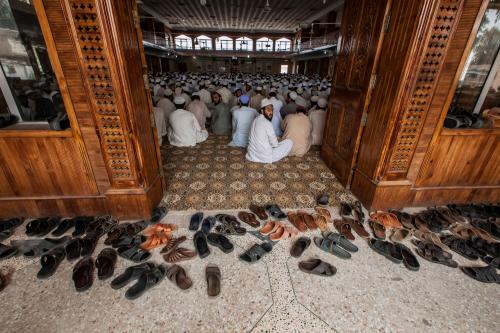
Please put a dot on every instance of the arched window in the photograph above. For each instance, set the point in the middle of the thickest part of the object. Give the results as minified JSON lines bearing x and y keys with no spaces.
{"x":183,"y":42}
{"x":283,"y":44}
{"x":224,"y":43}
{"x":264,"y":44}
{"x":202,"y":43}
{"x":244,"y":44}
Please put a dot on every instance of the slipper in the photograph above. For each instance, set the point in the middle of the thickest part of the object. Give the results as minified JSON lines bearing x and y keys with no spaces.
{"x":195,"y":221}
{"x":388,"y":220}
{"x":434,"y":253}
{"x":230,"y":229}
{"x":115,"y":234}
{"x":83,"y":274}
{"x":73,"y":249}
{"x":41,"y":227}
{"x":81,"y":223}
{"x":133,"y":253}
{"x":10,"y":224}
{"x":269,"y":228}
{"x":358,"y":227}
{"x":461,"y":247}
{"x":126,"y":240}
{"x":357,"y":212}
{"x":50,"y":261}
{"x":275,"y":211}
{"x":131,"y":273}
{"x":249,"y":218}
{"x":256,"y":252}
{"x":207,"y":224}
{"x":200,"y":244}
{"x":317,"y":267}
{"x":308,"y":220}
{"x":63,"y":227}
{"x":409,"y":259}
{"x":340,"y":240}
{"x":297,"y":221}
{"x":213,"y":277}
{"x":158,"y":213}
{"x":300,"y":246}
{"x":7,"y":252}
{"x":343,"y":228}
{"x":179,"y":254}
{"x":431,"y":238}
{"x":134,"y":228}
{"x":321,"y":222}
{"x":45,"y":245}
{"x":399,"y":235}
{"x":173,"y":243}
{"x":146,"y":281}
{"x":346,"y":210}
{"x":330,"y":246}
{"x":323,"y":199}
{"x":279,"y":233}
{"x":486,"y":274}
{"x":155,"y":240}
{"x":159,"y":228}
{"x":387,"y":249}
{"x":177,"y":274}
{"x":405,"y":218}
{"x":105,"y":263}
{"x":220,"y":241}
{"x":88,"y":245}
{"x":378,"y":229}
{"x":323,"y":211}
{"x":259,"y":211}
{"x":491,"y":228}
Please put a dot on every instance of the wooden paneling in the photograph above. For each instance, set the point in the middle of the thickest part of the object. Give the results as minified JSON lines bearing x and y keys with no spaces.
{"x":42,"y":166}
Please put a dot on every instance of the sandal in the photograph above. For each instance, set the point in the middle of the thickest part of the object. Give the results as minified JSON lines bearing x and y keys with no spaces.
{"x":405,"y":218}
{"x":88,"y":245}
{"x":73,"y":249}
{"x":298,"y":221}
{"x":321,"y":221}
{"x":131,"y":273}
{"x":399,"y":235}
{"x":409,"y":259}
{"x":179,"y":254}
{"x":308,"y":220}
{"x":344,"y":228}
{"x":81,"y":223}
{"x":63,"y":227}
{"x":159,"y":228}
{"x":461,"y":247}
{"x":317,"y":267}
{"x":133,"y":253}
{"x":158,"y":213}
{"x":300,"y":246}
{"x":7,"y":252}
{"x":155,"y":241}
{"x":230,"y":229}
{"x":207,"y":224}
{"x":491,"y":228}
{"x":41,"y":227}
{"x":269,"y":228}
{"x":177,"y":275}
{"x":430,"y":237}
{"x":378,"y":229}
{"x":324,"y":212}
{"x":173,"y":243}
{"x":340,"y":240}
{"x":146,"y":281}
{"x":388,"y":250}
{"x":50,"y":261}
{"x":275,"y":211}
{"x":388,"y":220}
{"x":200,"y":244}
{"x":486,"y":274}
{"x":434,"y":253}
{"x":358,"y":227}
{"x":105,"y":263}
{"x":195,"y":221}
{"x":220,"y":241}
{"x":330,"y":246}
{"x":256,"y":252}
{"x":213,"y":277}
{"x":83,"y":274}
{"x":249,"y":218}
{"x":259,"y":211}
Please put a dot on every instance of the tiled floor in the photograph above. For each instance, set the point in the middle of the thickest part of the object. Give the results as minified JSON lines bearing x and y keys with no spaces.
{"x":368,"y":294}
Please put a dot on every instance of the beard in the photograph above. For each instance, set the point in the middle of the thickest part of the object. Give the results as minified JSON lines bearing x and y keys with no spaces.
{"x":267,"y":117}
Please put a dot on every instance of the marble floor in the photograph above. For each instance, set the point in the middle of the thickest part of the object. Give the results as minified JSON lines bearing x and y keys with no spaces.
{"x":368,"y":294}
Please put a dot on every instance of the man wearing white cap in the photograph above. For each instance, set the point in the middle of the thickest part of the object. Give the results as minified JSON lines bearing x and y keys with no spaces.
{"x":166,"y":105}
{"x":298,"y":128}
{"x":221,"y":115}
{"x":318,"y":118}
{"x":205,"y":95}
{"x":277,"y":106}
{"x":263,"y":144}
{"x":224,"y":92}
{"x":199,"y":109}
{"x":290,"y":107}
{"x":256,"y":99}
{"x":184,"y":131}
{"x":243,"y":118}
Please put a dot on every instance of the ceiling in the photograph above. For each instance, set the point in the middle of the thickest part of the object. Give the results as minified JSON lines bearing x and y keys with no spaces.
{"x":237,"y":15}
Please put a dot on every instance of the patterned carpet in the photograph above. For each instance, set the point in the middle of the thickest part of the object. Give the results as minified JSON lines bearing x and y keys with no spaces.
{"x":213,"y":175}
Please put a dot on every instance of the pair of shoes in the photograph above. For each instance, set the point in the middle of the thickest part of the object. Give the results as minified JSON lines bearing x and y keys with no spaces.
{"x":299,"y":246}
{"x":395,"y":252}
{"x":249,"y":218}
{"x":302,"y":220}
{"x":157,"y":235}
{"x":259,"y":211}
{"x":229,"y":225}
{"x":81,"y":247}
{"x":336,"y":244}
{"x":8,"y":226}
{"x":42,"y":226}
{"x":201,"y":241}
{"x":83,"y":272}
{"x":147,"y":275}
{"x":256,"y":252}
{"x":317,"y":267}
{"x":277,"y":230}
{"x":174,"y":253}
{"x":434,"y":253}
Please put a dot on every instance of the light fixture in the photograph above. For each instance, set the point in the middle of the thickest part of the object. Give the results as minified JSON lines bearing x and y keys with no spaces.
{"x":196,"y":41}
{"x":203,"y":2}
{"x":267,"y":8}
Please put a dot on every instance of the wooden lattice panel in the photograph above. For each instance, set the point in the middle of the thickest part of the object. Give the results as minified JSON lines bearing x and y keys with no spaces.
{"x":415,"y":112}
{"x":98,"y":76}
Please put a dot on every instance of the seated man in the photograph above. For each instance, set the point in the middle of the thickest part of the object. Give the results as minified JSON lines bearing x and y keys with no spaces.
{"x":297,"y":127}
{"x":221,"y":116}
{"x":263,"y":144}
{"x":184,"y":131}
{"x":243,"y":118}
{"x":318,"y":118}
{"x":199,"y":109}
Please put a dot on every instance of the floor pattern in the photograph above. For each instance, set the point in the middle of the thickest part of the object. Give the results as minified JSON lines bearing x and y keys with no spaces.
{"x":213,"y":175}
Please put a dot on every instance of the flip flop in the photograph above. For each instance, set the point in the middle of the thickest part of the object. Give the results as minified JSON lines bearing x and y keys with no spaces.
{"x":81,"y":223}
{"x":486,"y":274}
{"x":300,"y":246}
{"x":388,"y":250}
{"x":63,"y":227}
{"x":323,"y":211}
{"x":330,"y":246}
{"x":179,"y":254}
{"x":378,"y":229}
{"x":220,"y":241}
{"x":256,"y":252}
{"x":105,"y":263}
{"x":195,"y":221}
{"x":7,"y":252}
{"x":200,"y":244}
{"x":388,"y":220}
{"x":409,"y":259}
{"x":134,"y":253}
{"x":213,"y":277}
{"x":50,"y":262}
{"x":358,"y":227}
{"x":249,"y":218}
{"x":259,"y":211}
{"x":340,"y":240}
{"x":158,"y":213}
{"x":73,"y":249}
{"x":83,"y":274}
{"x":275,"y":211}
{"x":317,"y":267}
{"x":146,"y":281}
{"x":173,"y":243}
{"x":269,"y":228}
{"x":207,"y":224}
{"x":177,"y":275}
{"x":131,"y":273}
{"x":434,"y":253}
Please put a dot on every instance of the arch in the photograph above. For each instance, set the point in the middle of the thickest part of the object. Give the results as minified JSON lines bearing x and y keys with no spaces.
{"x":203,"y":42}
{"x":264,"y":44}
{"x":283,"y":45}
{"x":224,"y":43}
{"x":244,"y":44}
{"x":183,"y":42}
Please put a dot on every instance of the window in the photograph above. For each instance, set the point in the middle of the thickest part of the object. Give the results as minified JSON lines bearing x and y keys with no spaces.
{"x":283,"y":45}
{"x":29,"y":88}
{"x":224,"y":43}
{"x":264,"y":44}
{"x":244,"y":44}
{"x":202,"y":43}
{"x":183,"y":42}
{"x":478,"y":88}
{"x":284,"y":69}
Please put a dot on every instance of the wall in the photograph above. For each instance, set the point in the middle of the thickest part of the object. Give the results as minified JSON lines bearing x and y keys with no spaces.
{"x":244,"y":65}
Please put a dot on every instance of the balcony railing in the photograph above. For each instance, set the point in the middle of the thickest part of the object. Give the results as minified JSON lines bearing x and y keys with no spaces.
{"x":319,"y":42}
{"x":155,"y":39}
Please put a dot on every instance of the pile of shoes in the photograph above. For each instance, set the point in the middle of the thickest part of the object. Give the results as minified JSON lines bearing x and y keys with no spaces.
{"x":277,"y":230}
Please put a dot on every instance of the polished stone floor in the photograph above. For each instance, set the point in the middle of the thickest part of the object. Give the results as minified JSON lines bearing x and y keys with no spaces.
{"x":368,"y":294}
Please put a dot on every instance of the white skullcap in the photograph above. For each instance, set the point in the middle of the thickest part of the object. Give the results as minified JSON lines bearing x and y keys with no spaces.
{"x":300,"y":90}
{"x":293,"y":95}
{"x":195,"y":94}
{"x":168,"y":92}
{"x":179,"y":100}
{"x":301,"y":102}
{"x":314,"y":98}
{"x":265,"y":102}
{"x":273,"y":89}
{"x":322,"y":102}
{"x":258,"y":88}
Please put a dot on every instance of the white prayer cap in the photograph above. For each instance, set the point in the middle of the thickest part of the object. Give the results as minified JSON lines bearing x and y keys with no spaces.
{"x":293,"y":95}
{"x":265,"y":102}
{"x":195,"y":94}
{"x":300,"y":90}
{"x":258,"y":88}
{"x":314,"y":98}
{"x":179,"y":100}
{"x":273,"y":89}
{"x":168,"y":92}
{"x":301,"y":102}
{"x":224,"y":82}
{"x":322,"y":102}
{"x":220,"y":92}
{"x":157,"y":80}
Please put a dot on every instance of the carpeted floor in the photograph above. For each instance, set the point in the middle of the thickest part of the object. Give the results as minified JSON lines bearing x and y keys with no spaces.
{"x":213,"y":175}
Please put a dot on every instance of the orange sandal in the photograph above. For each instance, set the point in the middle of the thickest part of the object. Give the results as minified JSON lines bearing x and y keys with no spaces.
{"x":388,"y":220}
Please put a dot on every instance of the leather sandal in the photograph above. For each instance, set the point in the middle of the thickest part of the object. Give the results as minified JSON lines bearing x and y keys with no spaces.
{"x":321,"y":222}
{"x":297,"y":221}
{"x":388,"y":220}
{"x":179,"y":254}
{"x":249,"y":218}
{"x":343,"y":228}
{"x":323,"y":211}
{"x":308,"y":220}
{"x":377,"y":228}
{"x":177,"y":275}
{"x":259,"y":211}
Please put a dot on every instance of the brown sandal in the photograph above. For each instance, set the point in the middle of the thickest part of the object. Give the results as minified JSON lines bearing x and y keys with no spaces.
{"x":173,"y":243}
{"x":323,"y":211}
{"x":269,"y":228}
{"x":309,"y":220}
{"x":321,"y":221}
{"x":259,"y":211}
{"x":179,"y":254}
{"x":298,"y":221}
{"x":213,"y":276}
{"x":249,"y":218}
{"x":358,"y":227}
{"x":378,"y":229}
{"x":388,"y":220}
{"x":344,"y":229}
{"x":178,"y":275}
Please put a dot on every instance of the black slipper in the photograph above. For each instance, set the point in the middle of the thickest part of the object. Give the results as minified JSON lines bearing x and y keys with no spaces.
{"x":63,"y":227}
{"x":221,"y":241}
{"x":131,"y":273}
{"x":45,"y":245}
{"x":388,"y":250}
{"x":275,"y":211}
{"x":41,"y":227}
{"x":207,"y":224}
{"x":256,"y":252}
{"x":157,"y":214}
{"x":50,"y":262}
{"x":73,"y":249}
{"x":83,"y":274}
{"x":134,"y":253}
{"x":7,"y":252}
{"x":88,"y":244}
{"x":200,"y":244}
{"x":300,"y":246}
{"x":195,"y":221}
{"x":409,"y":259}
{"x":81,"y":223}
{"x":105,"y":263}
{"x":10,"y":224}
{"x":126,"y":240}
{"x":146,"y":281}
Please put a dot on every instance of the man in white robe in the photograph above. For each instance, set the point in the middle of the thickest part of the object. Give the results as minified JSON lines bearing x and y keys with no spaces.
{"x":263,"y":144}
{"x":184,"y":131}
{"x":318,"y":118}
{"x":243,"y":118}
{"x":199,"y":109}
{"x":166,"y":105}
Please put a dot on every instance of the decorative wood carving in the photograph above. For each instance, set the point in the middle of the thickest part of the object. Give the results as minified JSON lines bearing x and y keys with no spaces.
{"x":415,"y":112}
